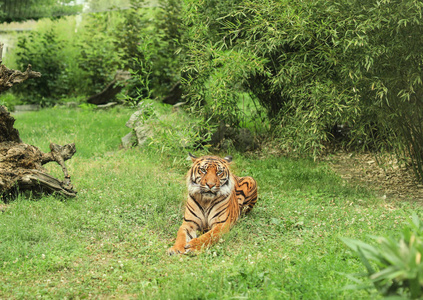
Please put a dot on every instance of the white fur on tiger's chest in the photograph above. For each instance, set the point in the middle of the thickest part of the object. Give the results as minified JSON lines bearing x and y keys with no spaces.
{"x":211,"y":207}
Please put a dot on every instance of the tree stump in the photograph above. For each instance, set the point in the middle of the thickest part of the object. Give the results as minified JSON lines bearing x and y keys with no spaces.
{"x":21,"y":165}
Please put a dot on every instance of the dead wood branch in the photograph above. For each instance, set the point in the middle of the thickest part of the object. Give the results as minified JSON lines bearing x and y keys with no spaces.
{"x":21,"y":165}
{"x":9,"y":77}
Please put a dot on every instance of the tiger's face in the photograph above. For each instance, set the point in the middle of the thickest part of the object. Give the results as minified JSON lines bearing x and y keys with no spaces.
{"x":209,"y":177}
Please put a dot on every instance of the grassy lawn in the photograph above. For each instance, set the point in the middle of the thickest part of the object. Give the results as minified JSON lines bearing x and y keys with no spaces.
{"x":111,"y":240}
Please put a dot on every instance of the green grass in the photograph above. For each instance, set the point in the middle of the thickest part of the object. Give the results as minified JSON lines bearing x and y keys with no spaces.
{"x":111,"y":240}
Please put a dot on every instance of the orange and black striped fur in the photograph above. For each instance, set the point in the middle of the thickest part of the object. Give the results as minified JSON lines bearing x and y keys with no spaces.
{"x":216,"y":199}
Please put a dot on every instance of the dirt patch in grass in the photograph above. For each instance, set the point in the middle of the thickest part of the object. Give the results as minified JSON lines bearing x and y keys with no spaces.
{"x":391,"y":180}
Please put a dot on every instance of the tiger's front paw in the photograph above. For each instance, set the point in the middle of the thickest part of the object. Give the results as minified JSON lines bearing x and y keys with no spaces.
{"x":176,"y":250}
{"x":193,"y":246}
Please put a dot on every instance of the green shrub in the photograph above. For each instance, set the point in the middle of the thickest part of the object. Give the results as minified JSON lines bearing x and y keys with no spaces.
{"x":52,"y":49}
{"x":44,"y":51}
{"x":313,"y":65}
{"x":21,"y":10}
{"x":147,"y":41}
{"x":385,"y":59}
{"x":9,"y":100}
{"x":282,"y":53}
{"x":399,"y":266}
{"x":81,"y":60}
{"x":99,"y":58}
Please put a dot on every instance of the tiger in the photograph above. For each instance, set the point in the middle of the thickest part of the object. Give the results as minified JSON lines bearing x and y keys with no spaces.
{"x":216,"y":199}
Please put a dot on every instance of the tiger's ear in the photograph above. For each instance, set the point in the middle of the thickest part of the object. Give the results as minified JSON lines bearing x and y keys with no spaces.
{"x":228,"y":159}
{"x":192,"y":157}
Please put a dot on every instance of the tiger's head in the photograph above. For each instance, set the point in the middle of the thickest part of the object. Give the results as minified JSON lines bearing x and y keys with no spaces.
{"x":210,"y":177}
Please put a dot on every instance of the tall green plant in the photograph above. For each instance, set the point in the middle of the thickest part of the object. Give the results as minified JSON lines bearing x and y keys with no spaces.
{"x":286,"y":62}
{"x":20,"y":10}
{"x":398,"y":262}
{"x":390,"y":73}
{"x":57,"y":50}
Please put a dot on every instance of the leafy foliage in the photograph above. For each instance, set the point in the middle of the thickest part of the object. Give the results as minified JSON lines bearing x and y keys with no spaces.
{"x":312,"y":65}
{"x":44,"y":50}
{"x":19,"y":10}
{"x":98,"y":56}
{"x":386,"y":67}
{"x":282,"y":54}
{"x":400,"y":268}
{"x":146,"y":41}
{"x":139,"y":39}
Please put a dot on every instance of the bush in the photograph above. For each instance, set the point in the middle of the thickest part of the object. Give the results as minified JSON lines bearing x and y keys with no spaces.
{"x":53,"y":49}
{"x":282,"y":53}
{"x":9,"y":100}
{"x":398,"y":262}
{"x":147,"y":41}
{"x":44,"y":51}
{"x":312,"y":65}
{"x":99,"y":58}
{"x":74,"y":64}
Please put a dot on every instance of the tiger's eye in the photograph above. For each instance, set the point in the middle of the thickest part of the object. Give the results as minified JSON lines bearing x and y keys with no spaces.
{"x":203,"y":170}
{"x":220,"y":172}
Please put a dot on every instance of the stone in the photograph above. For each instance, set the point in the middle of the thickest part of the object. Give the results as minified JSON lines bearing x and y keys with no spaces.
{"x":141,"y":130}
{"x":143,"y":133}
{"x":27,"y":107}
{"x":71,"y":104}
{"x":128,"y":140}
{"x":178,"y":106}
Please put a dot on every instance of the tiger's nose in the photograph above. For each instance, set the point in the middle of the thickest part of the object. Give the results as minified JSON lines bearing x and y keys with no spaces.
{"x":210,"y":184}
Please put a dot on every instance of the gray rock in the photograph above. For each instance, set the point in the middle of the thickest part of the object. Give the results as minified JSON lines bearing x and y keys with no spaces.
{"x":71,"y":104}
{"x":143,"y":133}
{"x":134,"y":119}
{"x":128,"y":140}
{"x":141,"y":129}
{"x":27,"y":107}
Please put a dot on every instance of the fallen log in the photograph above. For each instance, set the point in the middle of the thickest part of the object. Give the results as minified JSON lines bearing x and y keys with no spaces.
{"x":111,"y":90}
